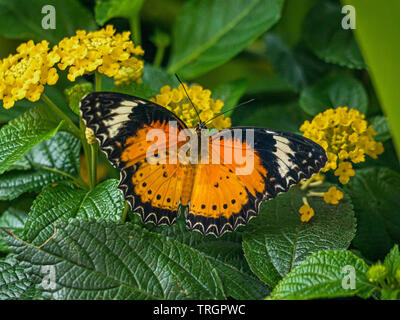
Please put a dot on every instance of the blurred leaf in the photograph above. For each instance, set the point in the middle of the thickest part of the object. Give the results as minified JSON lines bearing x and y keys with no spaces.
{"x":230,"y":93}
{"x":381,"y":127}
{"x":119,"y":262}
{"x":277,"y":241}
{"x":375,"y":193}
{"x":378,"y":27}
{"x":296,"y":65}
{"x":22,"y":19}
{"x":285,"y":117}
{"x":66,"y":201}
{"x":108,"y":9}
{"x":226,"y":256}
{"x":23,"y":133}
{"x":321,"y":276}
{"x":14,"y":281}
{"x":50,"y":161}
{"x":13,"y":218}
{"x":324,"y":34}
{"x":334,"y":91}
{"x":201,"y":44}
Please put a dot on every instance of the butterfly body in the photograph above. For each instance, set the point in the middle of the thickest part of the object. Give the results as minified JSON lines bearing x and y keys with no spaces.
{"x":220,"y":183}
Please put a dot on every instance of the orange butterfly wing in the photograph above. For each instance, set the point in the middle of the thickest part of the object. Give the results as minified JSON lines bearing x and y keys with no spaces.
{"x":221,"y":200}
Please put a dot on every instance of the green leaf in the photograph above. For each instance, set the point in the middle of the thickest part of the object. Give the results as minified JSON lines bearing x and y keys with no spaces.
{"x":324,"y":34}
{"x":23,"y":19}
{"x":66,"y":201}
{"x":230,"y":93}
{"x":14,"y":281}
{"x":226,"y":256}
{"x":23,"y":133}
{"x":104,"y":260}
{"x":156,"y":78}
{"x":381,"y":127}
{"x":296,"y":65}
{"x":50,"y":161}
{"x":277,"y":241}
{"x":322,"y":275}
{"x":76,"y":93}
{"x":108,"y":9}
{"x":258,"y":114}
{"x":375,"y":193}
{"x":201,"y":44}
{"x":334,"y":91}
{"x":392,"y":261}
{"x":13,"y":218}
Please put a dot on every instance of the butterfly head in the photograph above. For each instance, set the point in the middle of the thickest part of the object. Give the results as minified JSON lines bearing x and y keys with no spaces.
{"x":201,"y":125}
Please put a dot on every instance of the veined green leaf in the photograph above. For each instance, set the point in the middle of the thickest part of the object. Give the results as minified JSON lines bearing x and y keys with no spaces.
{"x":14,"y":281}
{"x":23,"y":19}
{"x":13,"y":218}
{"x":326,"y":274}
{"x":23,"y":133}
{"x":334,"y":91}
{"x":66,"y":201}
{"x":277,"y":241}
{"x":50,"y":161}
{"x":105,"y":260}
{"x":375,"y":193}
{"x":201,"y":44}
{"x":327,"y":38}
{"x":226,"y":256}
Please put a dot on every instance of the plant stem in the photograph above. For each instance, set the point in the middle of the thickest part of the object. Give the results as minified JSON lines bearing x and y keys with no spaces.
{"x":61,"y":114}
{"x":135,"y":27}
{"x":97,"y":81}
{"x":93,"y":165}
{"x":125,"y":212}
{"x":159,"y":56}
{"x":86,"y":152}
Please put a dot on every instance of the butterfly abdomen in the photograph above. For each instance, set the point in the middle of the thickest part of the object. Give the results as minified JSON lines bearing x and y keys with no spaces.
{"x":187,"y":185}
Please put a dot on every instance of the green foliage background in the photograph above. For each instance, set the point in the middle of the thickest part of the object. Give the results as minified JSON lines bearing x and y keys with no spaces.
{"x":294,"y":58}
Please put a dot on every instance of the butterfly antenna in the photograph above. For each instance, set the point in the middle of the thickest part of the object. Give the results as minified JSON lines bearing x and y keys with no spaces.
{"x":221,"y":113}
{"x":183,"y":86}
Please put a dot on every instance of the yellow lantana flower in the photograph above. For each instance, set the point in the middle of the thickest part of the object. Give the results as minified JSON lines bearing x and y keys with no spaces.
{"x":345,"y":135}
{"x":24,"y":74}
{"x":345,"y":171}
{"x":306,"y":213}
{"x":176,"y":101}
{"x":333,"y":195}
{"x":110,"y":53}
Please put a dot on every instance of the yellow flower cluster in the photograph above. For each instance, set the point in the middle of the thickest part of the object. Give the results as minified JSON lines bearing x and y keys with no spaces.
{"x":24,"y":74}
{"x":176,"y":101}
{"x":346,"y":136}
{"x":110,"y":53}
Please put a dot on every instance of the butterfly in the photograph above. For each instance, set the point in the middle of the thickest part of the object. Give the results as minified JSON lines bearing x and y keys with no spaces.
{"x":214,"y":197}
